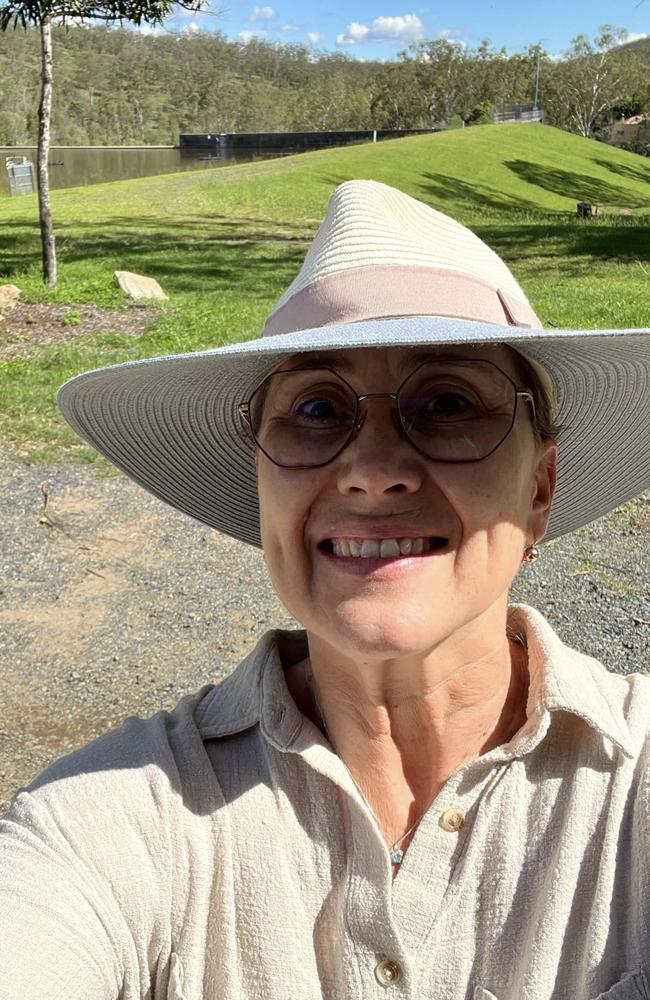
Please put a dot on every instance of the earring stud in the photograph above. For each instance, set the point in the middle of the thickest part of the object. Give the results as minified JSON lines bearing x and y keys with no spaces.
{"x":531,"y":553}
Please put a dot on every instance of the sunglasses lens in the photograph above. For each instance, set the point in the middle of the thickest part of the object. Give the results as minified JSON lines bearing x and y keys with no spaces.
{"x":457,"y":411}
{"x":451,"y":411}
{"x":302,"y":418}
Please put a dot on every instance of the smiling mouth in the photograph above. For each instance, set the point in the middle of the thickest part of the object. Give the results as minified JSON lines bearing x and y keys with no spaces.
{"x":384,"y":548}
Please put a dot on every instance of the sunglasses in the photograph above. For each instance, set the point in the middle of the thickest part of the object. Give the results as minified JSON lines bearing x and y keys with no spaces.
{"x":452,"y":410}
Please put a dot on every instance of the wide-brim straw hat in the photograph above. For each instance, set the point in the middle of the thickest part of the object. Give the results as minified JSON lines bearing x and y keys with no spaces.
{"x":383,"y":270}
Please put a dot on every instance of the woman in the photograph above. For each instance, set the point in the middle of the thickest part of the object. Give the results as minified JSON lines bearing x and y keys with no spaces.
{"x":425,"y":793}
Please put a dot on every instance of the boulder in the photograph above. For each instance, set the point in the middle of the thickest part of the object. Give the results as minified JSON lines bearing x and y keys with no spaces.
{"x":9,"y":295}
{"x":139,"y":287}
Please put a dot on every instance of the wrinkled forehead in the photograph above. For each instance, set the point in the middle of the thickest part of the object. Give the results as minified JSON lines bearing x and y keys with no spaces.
{"x":400,"y":360}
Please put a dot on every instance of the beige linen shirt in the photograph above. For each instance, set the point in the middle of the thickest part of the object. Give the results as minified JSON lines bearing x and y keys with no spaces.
{"x":222,"y":852}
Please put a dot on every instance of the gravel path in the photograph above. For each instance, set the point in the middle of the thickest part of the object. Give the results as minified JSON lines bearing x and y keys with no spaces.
{"x":112,"y":604}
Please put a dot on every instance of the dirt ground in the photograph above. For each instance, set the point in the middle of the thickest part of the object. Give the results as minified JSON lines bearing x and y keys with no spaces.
{"x":111,"y":604}
{"x":29,"y":326}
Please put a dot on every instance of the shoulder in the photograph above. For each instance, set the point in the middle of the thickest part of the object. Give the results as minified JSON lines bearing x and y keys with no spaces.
{"x":134,"y":770}
{"x":157,"y":759}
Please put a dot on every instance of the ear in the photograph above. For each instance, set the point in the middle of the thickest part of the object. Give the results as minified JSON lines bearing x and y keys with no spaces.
{"x":543,"y":488}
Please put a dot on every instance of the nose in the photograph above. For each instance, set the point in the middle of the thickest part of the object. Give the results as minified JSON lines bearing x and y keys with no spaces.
{"x":379,"y":459}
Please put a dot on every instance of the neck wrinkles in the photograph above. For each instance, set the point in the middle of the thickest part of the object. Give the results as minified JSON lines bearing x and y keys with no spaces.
{"x":412,"y":725}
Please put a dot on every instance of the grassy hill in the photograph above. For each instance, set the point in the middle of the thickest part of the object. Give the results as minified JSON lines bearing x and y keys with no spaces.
{"x":225,"y":243}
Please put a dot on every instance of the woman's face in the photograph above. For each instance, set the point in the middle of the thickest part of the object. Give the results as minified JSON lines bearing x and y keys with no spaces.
{"x":380,"y":487}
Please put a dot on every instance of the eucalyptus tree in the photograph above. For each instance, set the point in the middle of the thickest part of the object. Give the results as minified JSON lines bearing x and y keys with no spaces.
{"x":42,"y":14}
{"x":596,"y":76}
{"x":398,"y":99}
{"x":442,"y":67}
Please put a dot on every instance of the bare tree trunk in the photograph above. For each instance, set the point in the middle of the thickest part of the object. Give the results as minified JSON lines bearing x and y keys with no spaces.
{"x":44,"y":117}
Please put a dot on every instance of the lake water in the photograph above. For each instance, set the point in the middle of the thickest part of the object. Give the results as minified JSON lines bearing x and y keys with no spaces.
{"x":71,"y":166}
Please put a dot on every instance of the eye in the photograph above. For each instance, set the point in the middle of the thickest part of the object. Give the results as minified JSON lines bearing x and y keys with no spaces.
{"x":323,"y":409}
{"x":447,"y":404}
{"x":317,"y":409}
{"x":438,"y":408}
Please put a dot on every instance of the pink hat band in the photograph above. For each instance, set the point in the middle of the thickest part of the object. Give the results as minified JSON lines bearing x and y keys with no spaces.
{"x":391,"y":290}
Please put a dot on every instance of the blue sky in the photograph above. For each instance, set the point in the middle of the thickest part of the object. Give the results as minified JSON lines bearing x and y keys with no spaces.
{"x":366,"y":29}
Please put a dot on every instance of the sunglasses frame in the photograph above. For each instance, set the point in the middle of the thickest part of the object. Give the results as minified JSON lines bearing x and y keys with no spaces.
{"x":245,"y":414}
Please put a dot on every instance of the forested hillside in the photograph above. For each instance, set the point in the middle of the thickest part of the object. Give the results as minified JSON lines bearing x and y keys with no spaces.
{"x":117,"y":86}
{"x":120,"y":86}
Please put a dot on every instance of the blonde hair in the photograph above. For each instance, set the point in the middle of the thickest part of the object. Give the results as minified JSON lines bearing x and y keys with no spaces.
{"x":545,"y":424}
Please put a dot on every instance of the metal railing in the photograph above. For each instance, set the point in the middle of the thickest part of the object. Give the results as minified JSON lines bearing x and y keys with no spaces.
{"x":518,"y":113}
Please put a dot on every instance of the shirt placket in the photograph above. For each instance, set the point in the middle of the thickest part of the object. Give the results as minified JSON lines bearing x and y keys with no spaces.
{"x":388,"y":919}
{"x":375,"y":963}
{"x":433,"y":864}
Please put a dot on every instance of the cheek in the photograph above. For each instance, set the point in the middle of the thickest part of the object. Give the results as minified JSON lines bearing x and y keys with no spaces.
{"x":492,"y":509}
{"x":284,"y":509}
{"x":493,"y":496}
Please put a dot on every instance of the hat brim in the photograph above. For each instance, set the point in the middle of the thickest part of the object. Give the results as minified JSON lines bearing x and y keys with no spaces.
{"x":172,"y":423}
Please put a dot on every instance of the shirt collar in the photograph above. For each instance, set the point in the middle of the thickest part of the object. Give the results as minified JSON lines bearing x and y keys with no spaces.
{"x":564,"y":680}
{"x":561,"y":679}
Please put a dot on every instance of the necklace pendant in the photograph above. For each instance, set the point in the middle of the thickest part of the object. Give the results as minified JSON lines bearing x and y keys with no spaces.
{"x":396,"y":856}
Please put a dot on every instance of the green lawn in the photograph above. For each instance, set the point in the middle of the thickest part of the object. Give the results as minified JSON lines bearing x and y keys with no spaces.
{"x":225,"y":243}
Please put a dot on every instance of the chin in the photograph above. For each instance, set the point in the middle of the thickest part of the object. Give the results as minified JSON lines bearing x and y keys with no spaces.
{"x":382,"y":636}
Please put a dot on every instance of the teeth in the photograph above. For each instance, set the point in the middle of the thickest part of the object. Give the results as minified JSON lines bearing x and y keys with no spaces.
{"x":386,"y":548}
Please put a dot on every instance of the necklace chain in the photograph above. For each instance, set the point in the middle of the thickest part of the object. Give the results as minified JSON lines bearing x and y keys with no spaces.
{"x":396,"y":855}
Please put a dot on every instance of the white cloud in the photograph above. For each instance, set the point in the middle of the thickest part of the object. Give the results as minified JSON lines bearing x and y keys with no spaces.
{"x":450,"y":34}
{"x":404,"y":28}
{"x":191,"y":29}
{"x":292,"y":27}
{"x":354,"y":32}
{"x":247,"y":36}
{"x":261,"y":14}
{"x":315,"y":38}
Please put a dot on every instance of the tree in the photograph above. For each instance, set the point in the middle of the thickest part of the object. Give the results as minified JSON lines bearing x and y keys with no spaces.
{"x":397,"y":99}
{"x":595,"y":77}
{"x":42,"y":14}
{"x":442,"y":70}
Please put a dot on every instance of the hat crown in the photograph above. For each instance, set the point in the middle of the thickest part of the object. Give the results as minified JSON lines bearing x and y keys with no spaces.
{"x":371,"y":232}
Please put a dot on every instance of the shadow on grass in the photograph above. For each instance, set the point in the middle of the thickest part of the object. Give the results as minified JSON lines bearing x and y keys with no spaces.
{"x":441,"y":189}
{"x":210,"y":253}
{"x":635,"y":171}
{"x":193,"y":254}
{"x":581,"y":187}
{"x":544,"y":235}
{"x":576,"y":243}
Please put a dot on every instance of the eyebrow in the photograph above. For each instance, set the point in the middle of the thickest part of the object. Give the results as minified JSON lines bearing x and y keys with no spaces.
{"x":320,"y":359}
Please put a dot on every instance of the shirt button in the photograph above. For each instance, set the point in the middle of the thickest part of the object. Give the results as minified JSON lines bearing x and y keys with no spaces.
{"x":452,"y":820}
{"x":387,"y":973}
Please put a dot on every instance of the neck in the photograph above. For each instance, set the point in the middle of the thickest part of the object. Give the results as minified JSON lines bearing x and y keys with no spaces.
{"x":403,"y":726}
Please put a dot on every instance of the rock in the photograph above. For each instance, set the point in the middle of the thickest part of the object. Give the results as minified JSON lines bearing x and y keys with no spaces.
{"x":9,"y":296}
{"x":3,"y":326}
{"x":137,"y":286}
